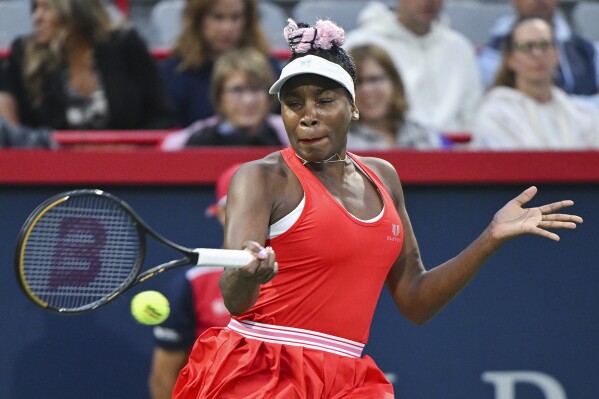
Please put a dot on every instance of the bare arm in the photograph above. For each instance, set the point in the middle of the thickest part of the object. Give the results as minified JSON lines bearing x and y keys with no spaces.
{"x":166,"y":366}
{"x":249,"y":205}
{"x":421,"y":293}
{"x":8,"y":108}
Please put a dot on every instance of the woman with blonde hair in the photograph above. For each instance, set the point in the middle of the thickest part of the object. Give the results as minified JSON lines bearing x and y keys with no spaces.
{"x":239,"y":94}
{"x":77,"y":71}
{"x":210,"y":28}
{"x":524,"y":109}
{"x":381,"y":100}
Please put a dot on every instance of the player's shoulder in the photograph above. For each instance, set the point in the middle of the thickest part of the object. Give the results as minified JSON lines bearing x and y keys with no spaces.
{"x":269,"y":165}
{"x":384,"y":170}
{"x":267,"y":171}
{"x":380,"y":166}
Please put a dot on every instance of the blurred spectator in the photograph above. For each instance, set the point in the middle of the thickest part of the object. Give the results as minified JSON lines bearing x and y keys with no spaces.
{"x":382,"y":104}
{"x":196,"y":305}
{"x":524,"y":109}
{"x":77,"y":71}
{"x":210,"y":28}
{"x":12,"y":136}
{"x":3,"y":72}
{"x":578,"y":70}
{"x":239,"y":92}
{"x":437,"y":64}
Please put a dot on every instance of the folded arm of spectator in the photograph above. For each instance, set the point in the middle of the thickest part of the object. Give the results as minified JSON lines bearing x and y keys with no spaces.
{"x":12,"y":136}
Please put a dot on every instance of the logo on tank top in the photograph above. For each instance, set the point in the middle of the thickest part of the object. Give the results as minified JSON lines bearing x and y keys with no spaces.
{"x":395,"y":230}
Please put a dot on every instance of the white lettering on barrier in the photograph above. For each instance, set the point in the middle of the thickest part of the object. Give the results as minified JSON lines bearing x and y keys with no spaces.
{"x":505,"y":383}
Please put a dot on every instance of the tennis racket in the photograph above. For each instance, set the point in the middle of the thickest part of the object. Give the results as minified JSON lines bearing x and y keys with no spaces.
{"x":81,"y":249}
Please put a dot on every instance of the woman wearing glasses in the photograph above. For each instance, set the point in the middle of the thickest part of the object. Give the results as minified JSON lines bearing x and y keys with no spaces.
{"x":524,"y":109}
{"x":239,"y":94}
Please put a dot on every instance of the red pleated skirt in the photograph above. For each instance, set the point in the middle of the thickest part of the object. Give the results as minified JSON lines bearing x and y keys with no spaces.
{"x":225,"y":365}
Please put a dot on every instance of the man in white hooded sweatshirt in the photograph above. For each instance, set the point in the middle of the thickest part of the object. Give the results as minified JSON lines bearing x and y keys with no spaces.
{"x":437,"y":64}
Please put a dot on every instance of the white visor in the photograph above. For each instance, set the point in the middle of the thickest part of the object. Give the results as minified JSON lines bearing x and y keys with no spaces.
{"x":317,"y":66}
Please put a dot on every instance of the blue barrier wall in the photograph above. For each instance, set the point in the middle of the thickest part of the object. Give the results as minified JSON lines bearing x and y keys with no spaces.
{"x":532,"y":308}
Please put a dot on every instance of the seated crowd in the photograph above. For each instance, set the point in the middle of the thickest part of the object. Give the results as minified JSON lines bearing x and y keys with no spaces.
{"x":535,"y":85}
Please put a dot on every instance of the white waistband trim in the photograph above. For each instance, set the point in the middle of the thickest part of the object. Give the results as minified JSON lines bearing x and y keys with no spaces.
{"x":297,"y":337}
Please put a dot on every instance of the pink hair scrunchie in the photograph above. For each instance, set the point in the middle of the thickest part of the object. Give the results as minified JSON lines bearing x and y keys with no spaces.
{"x":324,"y":35}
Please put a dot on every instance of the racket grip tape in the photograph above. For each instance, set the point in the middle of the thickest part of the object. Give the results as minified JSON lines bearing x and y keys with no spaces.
{"x":223,"y":257}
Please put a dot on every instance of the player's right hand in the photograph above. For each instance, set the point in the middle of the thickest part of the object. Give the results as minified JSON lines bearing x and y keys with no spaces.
{"x":263,"y":267}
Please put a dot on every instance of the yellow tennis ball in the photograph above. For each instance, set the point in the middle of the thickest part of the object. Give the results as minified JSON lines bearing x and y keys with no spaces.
{"x":150,"y":307}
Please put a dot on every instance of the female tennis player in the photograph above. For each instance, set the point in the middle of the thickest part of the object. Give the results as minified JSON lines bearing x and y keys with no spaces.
{"x":339,"y":227}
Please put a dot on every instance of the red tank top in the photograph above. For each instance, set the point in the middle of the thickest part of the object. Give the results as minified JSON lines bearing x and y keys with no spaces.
{"x":332,"y":266}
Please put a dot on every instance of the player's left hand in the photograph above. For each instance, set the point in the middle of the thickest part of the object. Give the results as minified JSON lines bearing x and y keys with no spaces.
{"x":513,"y":219}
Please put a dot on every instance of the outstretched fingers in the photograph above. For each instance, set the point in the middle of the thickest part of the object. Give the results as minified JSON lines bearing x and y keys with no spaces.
{"x":514,"y":219}
{"x":556,"y":225}
{"x":553,"y":220}
{"x":555,"y":206}
{"x":525,"y":196}
{"x":543,"y":233}
{"x":561,"y":220}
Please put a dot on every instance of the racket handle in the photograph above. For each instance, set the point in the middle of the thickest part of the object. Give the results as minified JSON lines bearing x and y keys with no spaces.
{"x":223,"y":257}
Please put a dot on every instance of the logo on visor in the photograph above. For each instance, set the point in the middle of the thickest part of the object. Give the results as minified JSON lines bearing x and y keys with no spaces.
{"x":306,"y":63}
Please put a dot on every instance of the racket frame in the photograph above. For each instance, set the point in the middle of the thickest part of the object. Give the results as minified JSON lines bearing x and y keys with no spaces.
{"x":134,"y":278}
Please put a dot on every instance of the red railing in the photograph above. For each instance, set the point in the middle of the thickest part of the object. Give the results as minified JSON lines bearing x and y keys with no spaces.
{"x":153,"y":138}
{"x":109,"y":138}
{"x":203,"y":166}
{"x":161,"y":53}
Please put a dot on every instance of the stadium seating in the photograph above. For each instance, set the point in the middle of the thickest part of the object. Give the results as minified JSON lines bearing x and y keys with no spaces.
{"x":586,"y":19}
{"x":474,"y":19}
{"x":15,"y":20}
{"x":345,"y":14}
{"x":165,"y":22}
{"x":273,"y":19}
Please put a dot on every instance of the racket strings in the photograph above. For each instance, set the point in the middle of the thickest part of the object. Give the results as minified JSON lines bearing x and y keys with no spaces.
{"x":80,"y":251}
